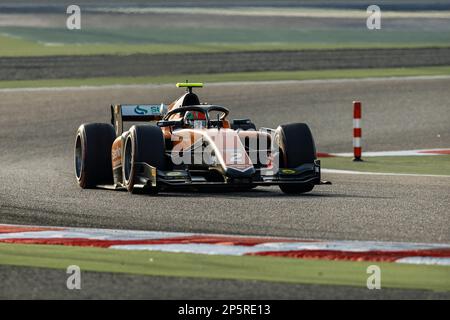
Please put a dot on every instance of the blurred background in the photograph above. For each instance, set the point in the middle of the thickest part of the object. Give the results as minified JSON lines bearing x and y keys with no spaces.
{"x":160,"y":38}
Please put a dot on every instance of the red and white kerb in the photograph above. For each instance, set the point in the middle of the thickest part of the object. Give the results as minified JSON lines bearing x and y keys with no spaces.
{"x":357,"y":131}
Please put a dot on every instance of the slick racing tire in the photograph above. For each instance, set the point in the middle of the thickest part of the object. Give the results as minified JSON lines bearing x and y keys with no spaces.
{"x":93,"y":154}
{"x":297,"y":147}
{"x":145,"y":143}
{"x":296,"y":188}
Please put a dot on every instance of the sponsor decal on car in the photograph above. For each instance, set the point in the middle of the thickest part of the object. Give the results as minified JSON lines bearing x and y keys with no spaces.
{"x":142,"y":109}
{"x":175,"y":174}
{"x":288,"y":171}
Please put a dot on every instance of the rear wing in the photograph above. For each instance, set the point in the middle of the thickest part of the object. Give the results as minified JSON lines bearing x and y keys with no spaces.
{"x":135,"y":113}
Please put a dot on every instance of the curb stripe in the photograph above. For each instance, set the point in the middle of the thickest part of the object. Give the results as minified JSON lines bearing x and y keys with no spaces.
{"x":16,"y":229}
{"x":194,"y":239}
{"x":379,"y":256}
{"x":418,"y":253}
{"x":435,"y":152}
{"x":425,"y":261}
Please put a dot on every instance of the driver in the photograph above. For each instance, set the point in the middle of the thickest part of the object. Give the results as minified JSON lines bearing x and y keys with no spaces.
{"x":195,"y":119}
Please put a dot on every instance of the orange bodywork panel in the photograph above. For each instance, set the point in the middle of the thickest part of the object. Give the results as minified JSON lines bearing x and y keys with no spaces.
{"x":116,"y":153}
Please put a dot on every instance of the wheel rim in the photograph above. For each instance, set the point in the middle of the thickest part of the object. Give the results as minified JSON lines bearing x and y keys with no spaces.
{"x":127,"y":160}
{"x":78,"y":157}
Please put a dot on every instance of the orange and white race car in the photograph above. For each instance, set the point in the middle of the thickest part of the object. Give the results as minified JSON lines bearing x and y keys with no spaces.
{"x":190,"y":144}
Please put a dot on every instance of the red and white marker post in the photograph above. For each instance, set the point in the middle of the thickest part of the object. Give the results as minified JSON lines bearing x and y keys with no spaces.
{"x":357,"y":151}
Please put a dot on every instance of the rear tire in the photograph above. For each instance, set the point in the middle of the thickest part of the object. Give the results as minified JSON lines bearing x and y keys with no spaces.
{"x":145,"y":143}
{"x":297,"y":147}
{"x":93,"y":154}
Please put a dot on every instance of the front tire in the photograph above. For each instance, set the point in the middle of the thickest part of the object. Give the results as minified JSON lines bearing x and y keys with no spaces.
{"x":93,"y":154}
{"x":145,"y":143}
{"x":297,"y":147}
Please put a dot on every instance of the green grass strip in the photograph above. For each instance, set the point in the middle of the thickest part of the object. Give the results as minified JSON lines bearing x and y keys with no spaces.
{"x":439,"y":165}
{"x":225,"y":267}
{"x":17,"y":46}
{"x":231,"y":77}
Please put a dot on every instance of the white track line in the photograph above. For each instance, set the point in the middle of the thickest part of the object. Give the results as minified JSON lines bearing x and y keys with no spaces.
{"x":383,"y":173}
{"x":221,"y":84}
{"x":417,"y":152}
{"x":118,"y":233}
{"x":267,"y":11}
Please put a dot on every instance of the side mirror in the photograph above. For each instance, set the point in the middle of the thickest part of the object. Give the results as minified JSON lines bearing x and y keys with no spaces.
{"x":163,"y":109}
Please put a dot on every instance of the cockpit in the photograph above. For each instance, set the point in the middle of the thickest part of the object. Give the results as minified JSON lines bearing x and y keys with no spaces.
{"x":196,"y":117}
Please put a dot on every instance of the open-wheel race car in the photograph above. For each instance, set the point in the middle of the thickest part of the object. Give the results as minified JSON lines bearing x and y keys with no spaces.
{"x":190,"y":144}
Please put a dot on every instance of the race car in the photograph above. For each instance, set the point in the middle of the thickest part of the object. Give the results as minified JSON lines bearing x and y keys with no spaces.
{"x":191,"y":144}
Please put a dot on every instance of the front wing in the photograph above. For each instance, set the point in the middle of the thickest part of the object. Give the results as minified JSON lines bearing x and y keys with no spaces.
{"x":148,"y":176}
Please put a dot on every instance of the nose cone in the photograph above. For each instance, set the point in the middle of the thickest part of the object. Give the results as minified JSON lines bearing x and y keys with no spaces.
{"x":234,"y":172}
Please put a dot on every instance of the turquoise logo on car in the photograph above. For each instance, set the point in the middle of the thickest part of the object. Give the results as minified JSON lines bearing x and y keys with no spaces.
{"x":139,"y":110}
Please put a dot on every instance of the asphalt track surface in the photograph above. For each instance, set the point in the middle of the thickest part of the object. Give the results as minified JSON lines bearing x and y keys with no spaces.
{"x":40,"y":283}
{"x":57,"y":67}
{"x":38,"y":187}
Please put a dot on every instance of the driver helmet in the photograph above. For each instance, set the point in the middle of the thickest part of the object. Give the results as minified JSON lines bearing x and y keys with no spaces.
{"x":195,"y":119}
